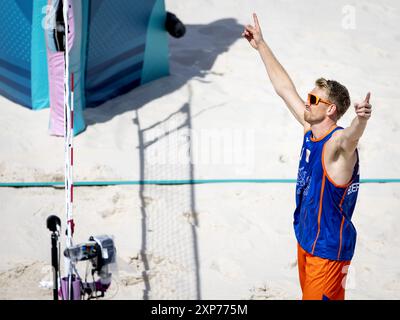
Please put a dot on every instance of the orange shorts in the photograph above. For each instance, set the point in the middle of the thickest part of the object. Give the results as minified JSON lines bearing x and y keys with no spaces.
{"x":321,"y":279}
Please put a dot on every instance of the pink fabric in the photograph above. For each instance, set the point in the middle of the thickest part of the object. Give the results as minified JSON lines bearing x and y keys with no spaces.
{"x":56,"y":88}
{"x":55,"y":61}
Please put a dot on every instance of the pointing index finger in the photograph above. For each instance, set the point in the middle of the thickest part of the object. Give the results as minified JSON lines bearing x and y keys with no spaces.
{"x":256,"y":23}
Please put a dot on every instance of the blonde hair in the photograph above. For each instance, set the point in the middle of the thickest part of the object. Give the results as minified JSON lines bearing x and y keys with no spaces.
{"x":337,"y":93}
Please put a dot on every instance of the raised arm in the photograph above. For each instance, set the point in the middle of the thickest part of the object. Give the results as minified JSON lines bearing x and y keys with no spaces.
{"x":350,"y":136}
{"x":280,"y":79}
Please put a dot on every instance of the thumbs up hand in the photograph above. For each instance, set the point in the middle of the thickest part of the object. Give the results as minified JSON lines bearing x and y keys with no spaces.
{"x":363,"y":109}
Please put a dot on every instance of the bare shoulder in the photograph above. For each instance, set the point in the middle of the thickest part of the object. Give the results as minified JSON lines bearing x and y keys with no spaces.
{"x":336,"y":136}
{"x":334,"y":148}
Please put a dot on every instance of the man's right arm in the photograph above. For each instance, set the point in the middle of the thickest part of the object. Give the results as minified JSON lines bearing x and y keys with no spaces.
{"x":280,"y":79}
{"x":282,"y":83}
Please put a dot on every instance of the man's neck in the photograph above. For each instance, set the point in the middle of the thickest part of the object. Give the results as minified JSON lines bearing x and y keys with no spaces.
{"x":320,"y":129}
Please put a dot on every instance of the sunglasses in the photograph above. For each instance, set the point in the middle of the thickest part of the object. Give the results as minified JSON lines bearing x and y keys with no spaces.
{"x":313,"y":99}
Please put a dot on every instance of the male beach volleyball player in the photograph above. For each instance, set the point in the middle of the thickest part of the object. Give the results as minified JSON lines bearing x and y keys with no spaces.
{"x":328,"y":175}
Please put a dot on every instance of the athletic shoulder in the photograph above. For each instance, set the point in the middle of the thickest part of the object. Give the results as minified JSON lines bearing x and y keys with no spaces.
{"x":334,"y":145}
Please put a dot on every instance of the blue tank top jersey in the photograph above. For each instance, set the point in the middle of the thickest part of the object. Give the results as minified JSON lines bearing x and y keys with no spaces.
{"x":322,"y":219}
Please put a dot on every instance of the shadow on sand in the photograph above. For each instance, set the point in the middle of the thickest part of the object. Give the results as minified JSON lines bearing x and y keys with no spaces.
{"x":169,"y":249}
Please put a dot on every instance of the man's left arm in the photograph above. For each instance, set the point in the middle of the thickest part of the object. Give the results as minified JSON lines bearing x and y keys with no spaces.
{"x":351,"y":135}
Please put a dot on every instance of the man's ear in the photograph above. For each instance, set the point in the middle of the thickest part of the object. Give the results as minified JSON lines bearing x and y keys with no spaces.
{"x":332,"y":110}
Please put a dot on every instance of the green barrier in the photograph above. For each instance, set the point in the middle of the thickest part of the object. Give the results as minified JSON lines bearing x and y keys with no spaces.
{"x":164,"y":182}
